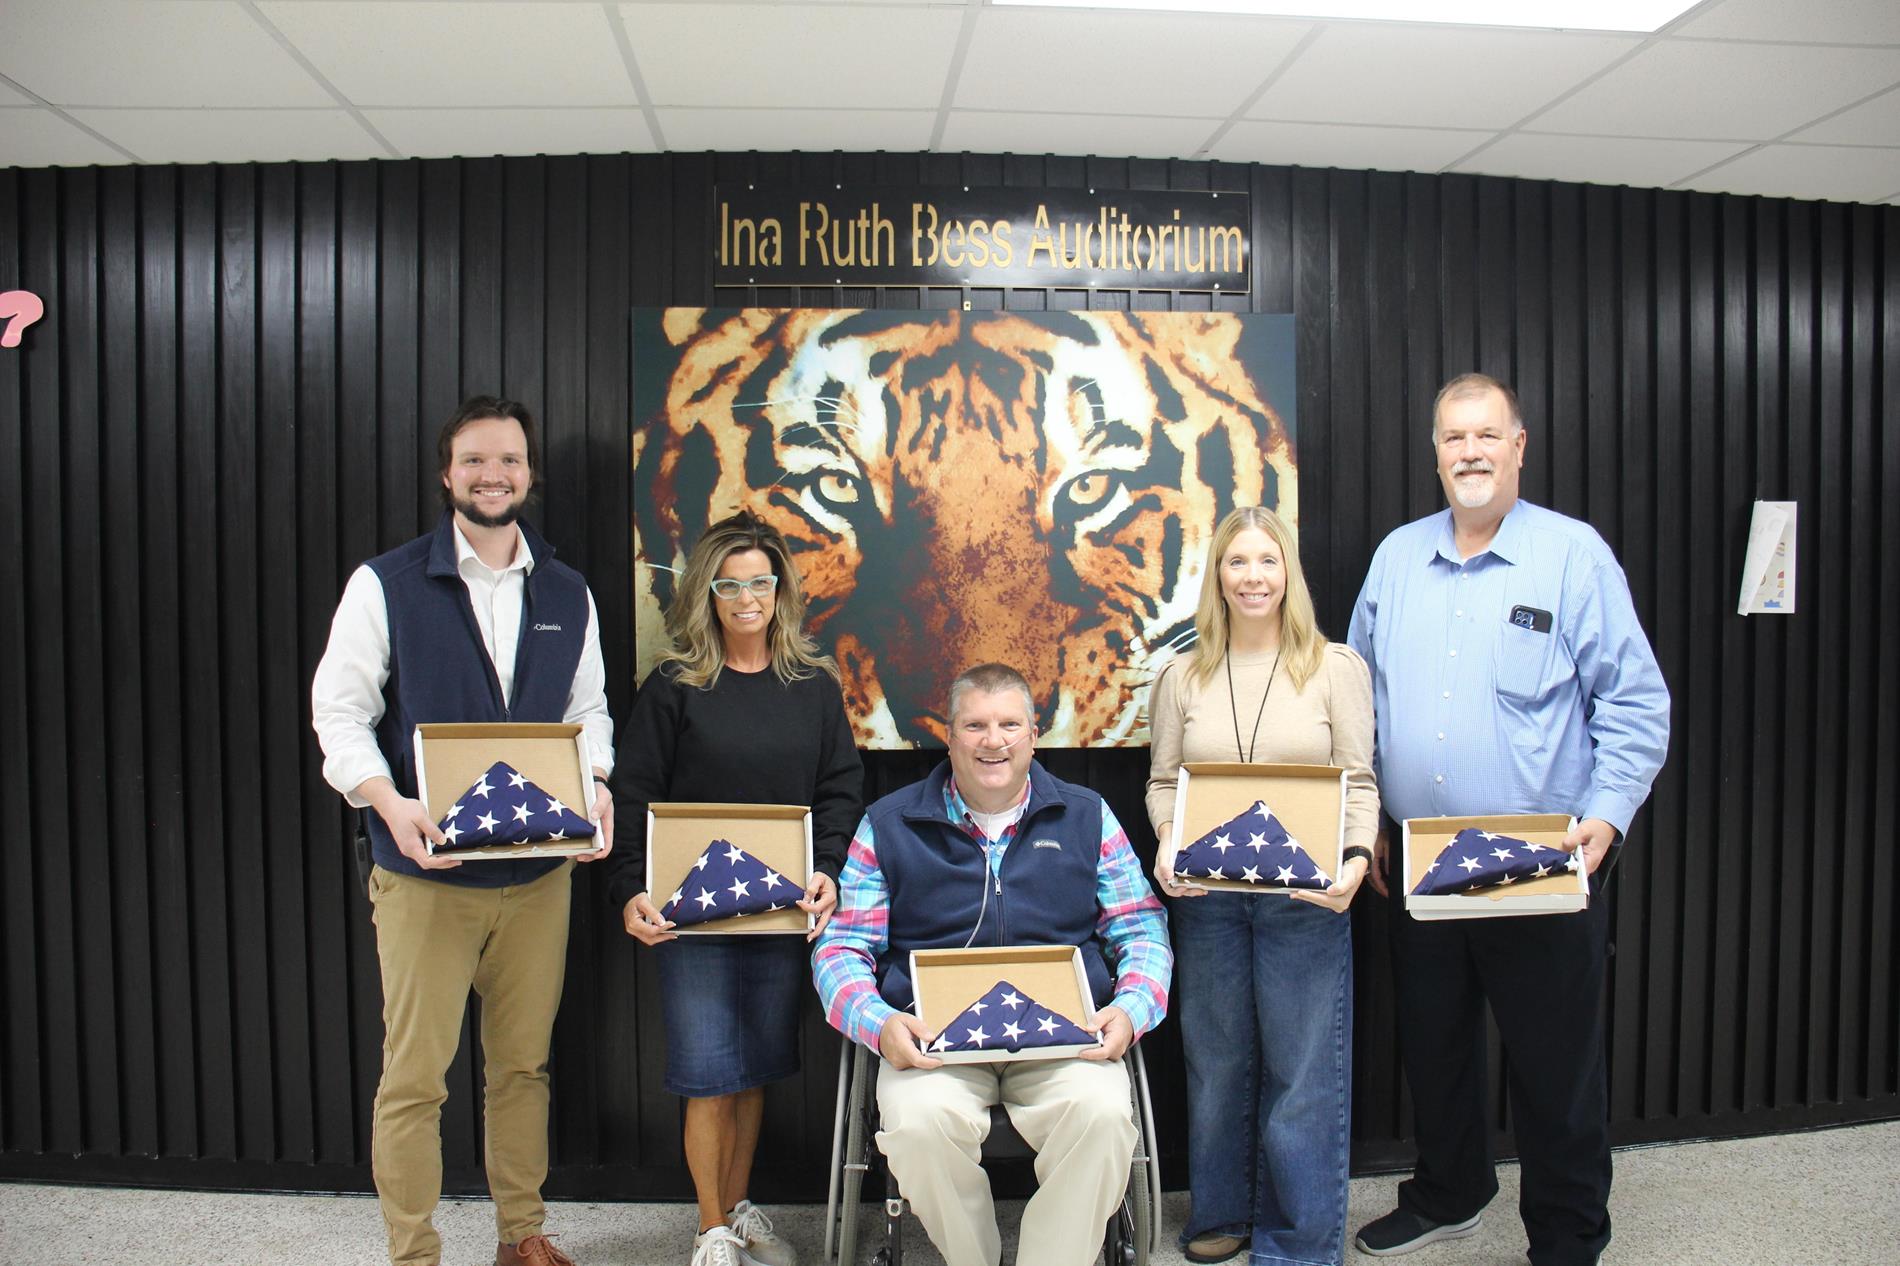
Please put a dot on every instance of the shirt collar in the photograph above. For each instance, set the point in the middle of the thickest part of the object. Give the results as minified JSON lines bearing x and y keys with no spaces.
{"x":1508,"y":544}
{"x":958,"y":810}
{"x":523,"y":560}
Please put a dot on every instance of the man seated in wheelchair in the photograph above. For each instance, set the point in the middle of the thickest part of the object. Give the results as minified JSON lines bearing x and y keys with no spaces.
{"x":989,"y":850}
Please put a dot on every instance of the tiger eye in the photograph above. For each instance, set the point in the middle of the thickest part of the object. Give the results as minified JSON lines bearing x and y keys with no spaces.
{"x":1089,"y":490}
{"x":838,"y":489}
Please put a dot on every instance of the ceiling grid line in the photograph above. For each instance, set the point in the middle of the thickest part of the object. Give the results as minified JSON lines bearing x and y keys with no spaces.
{"x":41,"y":103}
{"x":297,"y":55}
{"x":1761,"y":145}
{"x":1273,"y":76}
{"x":966,"y":32}
{"x":623,"y":38}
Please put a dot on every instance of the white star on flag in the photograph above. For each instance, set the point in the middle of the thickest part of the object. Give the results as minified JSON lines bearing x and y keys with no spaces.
{"x":705,"y":899}
{"x":517,"y":779}
{"x":1012,"y":1001}
{"x":486,"y":822}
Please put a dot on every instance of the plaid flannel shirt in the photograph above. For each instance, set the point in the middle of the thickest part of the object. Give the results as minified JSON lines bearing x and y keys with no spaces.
{"x":1131,"y":924}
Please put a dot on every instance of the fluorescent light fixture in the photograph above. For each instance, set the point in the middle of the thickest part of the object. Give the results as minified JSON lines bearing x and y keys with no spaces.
{"x":1559,"y":15}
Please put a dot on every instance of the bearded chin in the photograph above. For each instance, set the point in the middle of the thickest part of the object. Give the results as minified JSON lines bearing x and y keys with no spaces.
{"x":482,"y":518}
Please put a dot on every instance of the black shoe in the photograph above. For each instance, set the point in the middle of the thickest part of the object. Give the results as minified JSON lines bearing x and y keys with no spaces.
{"x":1401,"y":1231}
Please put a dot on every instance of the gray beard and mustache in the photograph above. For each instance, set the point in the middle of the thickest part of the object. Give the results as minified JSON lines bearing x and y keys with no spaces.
{"x":1472,"y":498}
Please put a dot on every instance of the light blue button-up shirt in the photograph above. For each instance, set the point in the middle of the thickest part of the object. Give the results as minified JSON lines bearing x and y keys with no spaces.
{"x":1477,"y":714}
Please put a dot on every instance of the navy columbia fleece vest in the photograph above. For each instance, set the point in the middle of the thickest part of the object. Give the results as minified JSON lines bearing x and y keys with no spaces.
{"x":937,"y":873}
{"x":440,"y":671}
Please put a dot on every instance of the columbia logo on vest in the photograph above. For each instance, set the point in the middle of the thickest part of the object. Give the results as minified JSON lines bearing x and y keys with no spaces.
{"x":1055,"y":844}
{"x":547,"y":628}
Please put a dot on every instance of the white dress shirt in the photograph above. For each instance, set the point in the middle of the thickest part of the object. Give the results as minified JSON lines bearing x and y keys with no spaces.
{"x":346,"y":695}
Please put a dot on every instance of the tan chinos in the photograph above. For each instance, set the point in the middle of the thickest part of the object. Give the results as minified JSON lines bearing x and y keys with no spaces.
{"x":436,"y":941}
{"x":1074,"y":1112}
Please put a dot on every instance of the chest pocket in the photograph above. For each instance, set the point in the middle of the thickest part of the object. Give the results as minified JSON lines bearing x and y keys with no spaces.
{"x":1522,"y":664}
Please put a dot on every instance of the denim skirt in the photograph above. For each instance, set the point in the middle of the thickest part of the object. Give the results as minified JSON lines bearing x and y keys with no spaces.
{"x":731,"y":1010}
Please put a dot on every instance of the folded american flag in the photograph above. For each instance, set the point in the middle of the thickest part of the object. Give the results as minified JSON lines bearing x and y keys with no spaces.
{"x":1007,"y":1019}
{"x":726,"y":881}
{"x":504,"y":807}
{"x":1253,"y":848}
{"x":1484,"y":859}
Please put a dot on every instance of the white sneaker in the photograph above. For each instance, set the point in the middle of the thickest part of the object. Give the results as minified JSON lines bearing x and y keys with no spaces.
{"x":750,"y":1224}
{"x":720,"y":1247}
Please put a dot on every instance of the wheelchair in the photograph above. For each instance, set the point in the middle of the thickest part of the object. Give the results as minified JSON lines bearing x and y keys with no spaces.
{"x":1133,"y":1234}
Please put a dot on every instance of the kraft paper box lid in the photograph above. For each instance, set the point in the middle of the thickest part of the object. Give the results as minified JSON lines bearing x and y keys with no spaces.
{"x":946,"y":981}
{"x":1425,"y":838}
{"x":777,"y":834}
{"x":553,"y":756}
{"x":1309,"y":800}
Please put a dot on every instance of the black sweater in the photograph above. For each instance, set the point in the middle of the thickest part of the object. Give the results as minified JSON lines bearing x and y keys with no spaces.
{"x":751,"y":739}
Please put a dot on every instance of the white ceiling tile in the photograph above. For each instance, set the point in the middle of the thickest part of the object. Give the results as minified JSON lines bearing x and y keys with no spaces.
{"x":1120,"y":63}
{"x":480,"y":133}
{"x":1746,"y":92}
{"x":8,"y":97}
{"x":810,"y":130}
{"x":1599,"y":160}
{"x":1808,"y":171}
{"x":1119,"y":135}
{"x":40,"y":138}
{"x":1832,"y":21}
{"x":1875,"y":122}
{"x":235,"y":136}
{"x":1344,"y":145}
{"x":422,"y":53}
{"x":1433,"y":76}
{"x":763,"y":55}
{"x":148,"y":53}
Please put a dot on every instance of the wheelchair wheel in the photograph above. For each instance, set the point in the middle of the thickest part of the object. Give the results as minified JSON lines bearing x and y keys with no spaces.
{"x":1140,"y":1213}
{"x":853,"y":1189}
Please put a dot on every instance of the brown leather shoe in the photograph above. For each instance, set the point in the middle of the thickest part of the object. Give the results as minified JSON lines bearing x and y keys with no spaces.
{"x":1214,"y":1248}
{"x":534,"y":1250}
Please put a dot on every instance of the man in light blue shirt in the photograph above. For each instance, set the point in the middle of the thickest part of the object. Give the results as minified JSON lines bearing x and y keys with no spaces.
{"x":1510,"y":675}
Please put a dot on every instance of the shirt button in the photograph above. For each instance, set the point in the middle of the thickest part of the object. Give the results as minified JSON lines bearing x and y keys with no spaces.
{"x":1440,"y":778}
{"x":1441,"y":736}
{"x":1448,"y":694}
{"x":1454,"y":654}
{"x":1458,"y":613}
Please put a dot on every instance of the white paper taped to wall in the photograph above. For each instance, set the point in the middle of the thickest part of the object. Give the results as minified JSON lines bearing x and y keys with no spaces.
{"x":1768,"y":567}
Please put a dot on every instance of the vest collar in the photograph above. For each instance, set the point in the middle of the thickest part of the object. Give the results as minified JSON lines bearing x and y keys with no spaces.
{"x":443,"y":560}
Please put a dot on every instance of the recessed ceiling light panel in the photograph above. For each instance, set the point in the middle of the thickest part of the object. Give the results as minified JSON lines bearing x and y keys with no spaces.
{"x":1560,"y":15}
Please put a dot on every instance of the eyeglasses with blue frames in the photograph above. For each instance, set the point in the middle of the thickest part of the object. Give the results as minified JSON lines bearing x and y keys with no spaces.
{"x":729,"y":590}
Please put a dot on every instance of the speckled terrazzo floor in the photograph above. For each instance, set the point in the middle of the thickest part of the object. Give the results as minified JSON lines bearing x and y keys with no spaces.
{"x":1830,"y":1197}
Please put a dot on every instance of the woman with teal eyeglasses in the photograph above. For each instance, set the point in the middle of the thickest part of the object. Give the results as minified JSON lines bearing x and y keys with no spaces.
{"x":741,"y":708}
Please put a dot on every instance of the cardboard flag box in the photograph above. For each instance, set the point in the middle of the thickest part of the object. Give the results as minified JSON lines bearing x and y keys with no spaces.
{"x":776,"y":835}
{"x":1308,"y":800}
{"x":554,"y":758}
{"x":1425,"y":838}
{"x":999,"y":989}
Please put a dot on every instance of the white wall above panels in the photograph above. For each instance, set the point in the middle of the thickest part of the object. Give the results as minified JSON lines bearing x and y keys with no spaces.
{"x":1747,"y":96}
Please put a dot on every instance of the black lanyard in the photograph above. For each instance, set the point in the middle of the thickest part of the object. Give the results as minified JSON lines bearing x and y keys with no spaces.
{"x":1233,"y":706}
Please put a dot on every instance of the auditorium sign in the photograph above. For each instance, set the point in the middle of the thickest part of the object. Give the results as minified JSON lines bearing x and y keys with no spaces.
{"x":980,"y":237}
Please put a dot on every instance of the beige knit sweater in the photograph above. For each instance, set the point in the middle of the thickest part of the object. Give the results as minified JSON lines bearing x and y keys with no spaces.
{"x":1328,"y":723}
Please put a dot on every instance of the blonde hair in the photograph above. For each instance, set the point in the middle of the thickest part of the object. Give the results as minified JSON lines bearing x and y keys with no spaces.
{"x":1302,"y":645}
{"x":697,"y":645}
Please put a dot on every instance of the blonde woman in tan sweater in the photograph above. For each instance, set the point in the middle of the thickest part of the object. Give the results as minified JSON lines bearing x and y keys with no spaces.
{"x":1264,"y":982}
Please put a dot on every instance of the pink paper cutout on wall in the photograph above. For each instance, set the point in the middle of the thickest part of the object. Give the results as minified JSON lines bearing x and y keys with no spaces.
{"x":19,"y":308}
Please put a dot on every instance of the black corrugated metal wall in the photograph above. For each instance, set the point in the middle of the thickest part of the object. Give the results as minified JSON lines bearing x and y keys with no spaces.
{"x":232,"y":401}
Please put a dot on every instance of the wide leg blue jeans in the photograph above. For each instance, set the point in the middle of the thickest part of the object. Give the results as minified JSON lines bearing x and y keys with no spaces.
{"x":1264,"y":996}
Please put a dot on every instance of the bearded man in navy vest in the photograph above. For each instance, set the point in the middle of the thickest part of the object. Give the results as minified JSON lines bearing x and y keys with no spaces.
{"x":990,"y":849}
{"x":474,"y":621}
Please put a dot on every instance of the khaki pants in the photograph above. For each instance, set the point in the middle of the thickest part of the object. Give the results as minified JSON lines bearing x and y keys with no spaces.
{"x":1074,"y":1112}
{"x":435,"y":941}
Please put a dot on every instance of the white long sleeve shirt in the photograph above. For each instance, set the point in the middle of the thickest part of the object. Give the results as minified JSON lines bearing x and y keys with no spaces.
{"x":346,"y":695}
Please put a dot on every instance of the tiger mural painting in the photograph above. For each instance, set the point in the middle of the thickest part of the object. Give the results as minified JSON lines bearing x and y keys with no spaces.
{"x":1034,"y":488}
